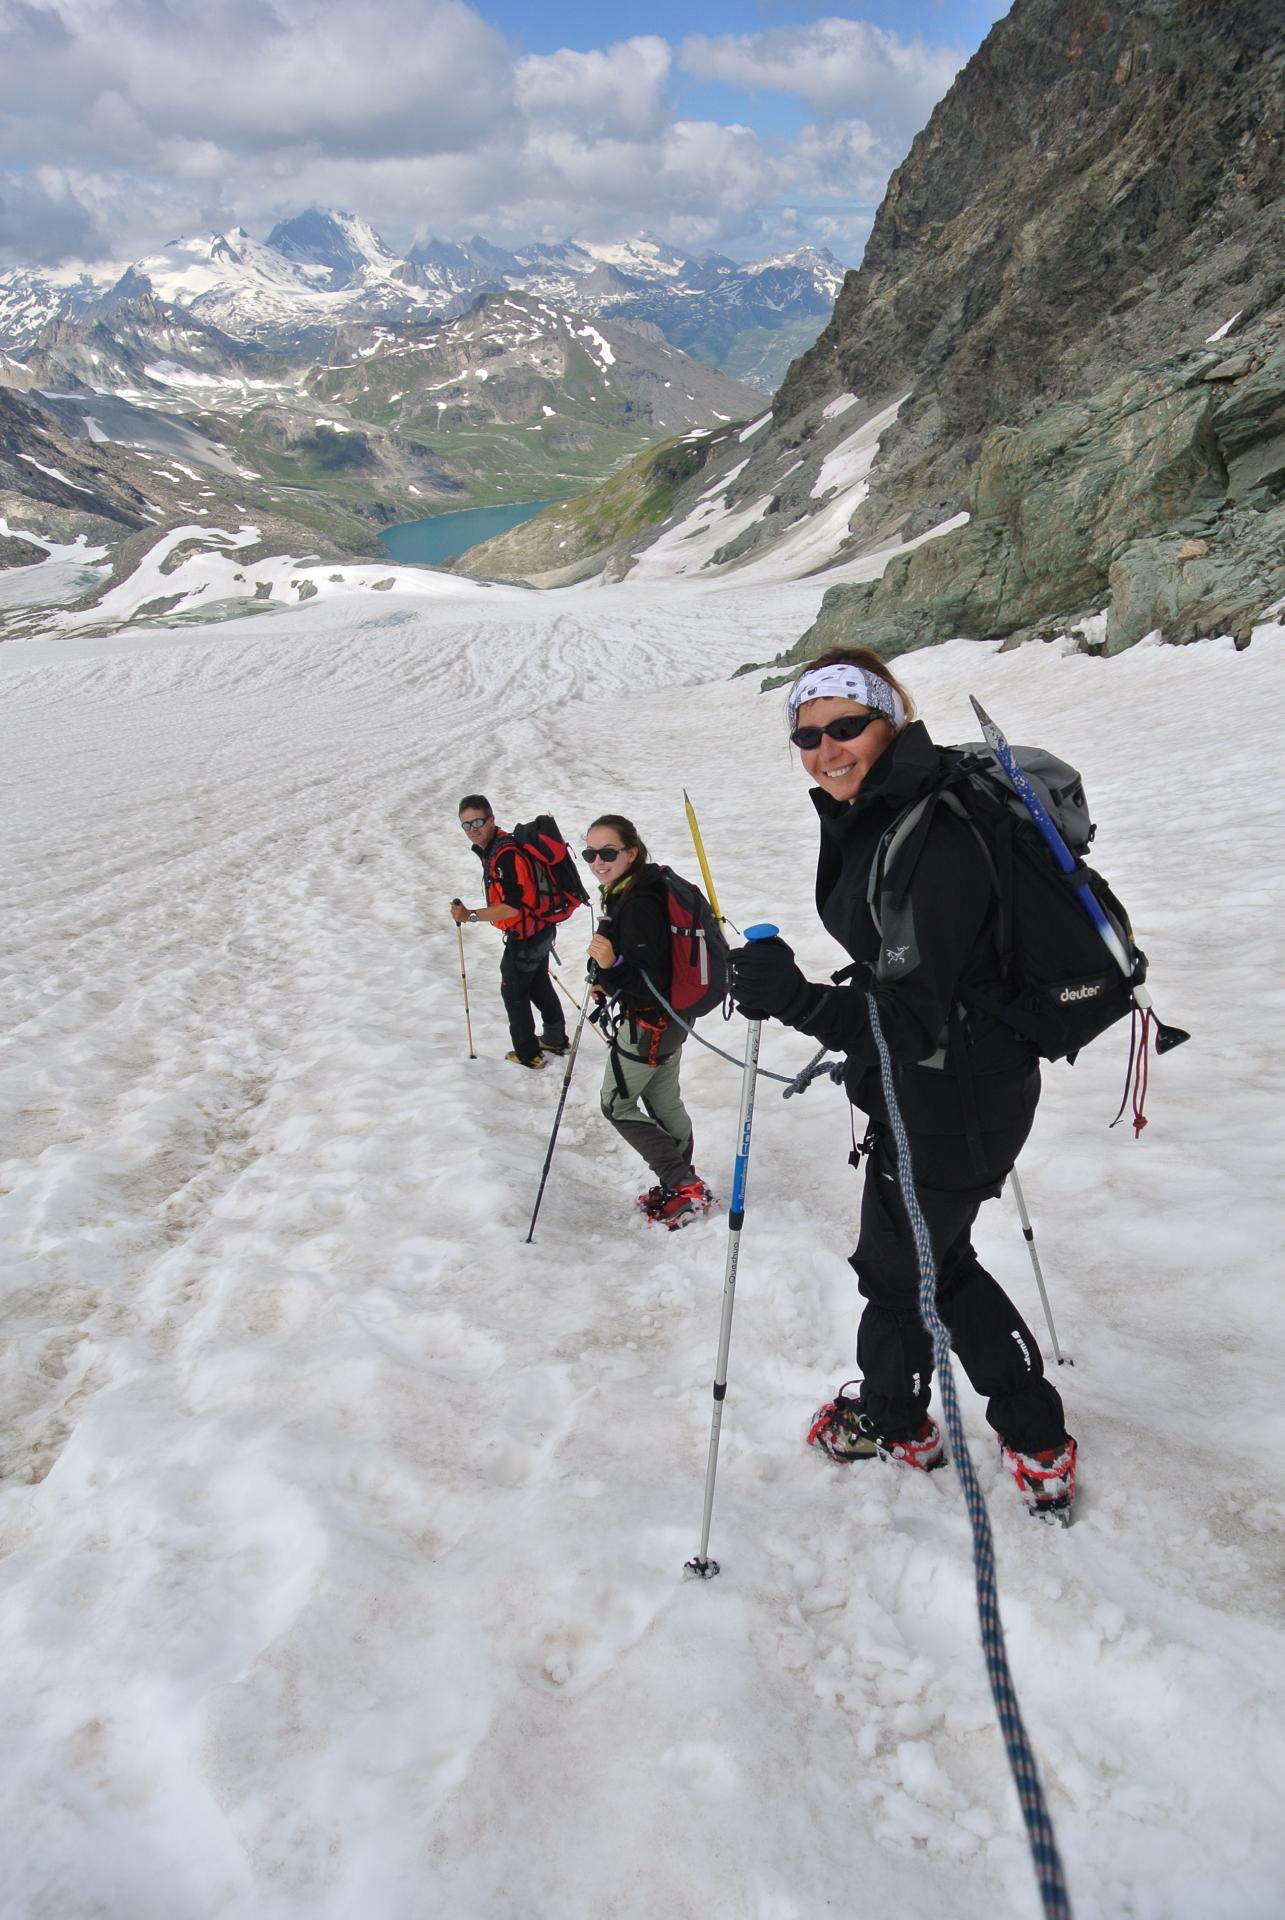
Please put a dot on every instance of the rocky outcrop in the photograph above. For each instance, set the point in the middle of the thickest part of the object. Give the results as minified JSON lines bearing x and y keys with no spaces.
{"x":1160,"y":499}
{"x":40,"y":465}
{"x":1101,"y":185}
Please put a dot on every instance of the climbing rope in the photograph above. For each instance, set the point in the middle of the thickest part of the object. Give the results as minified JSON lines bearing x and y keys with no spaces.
{"x":797,"y":1083}
{"x":1021,"y":1758}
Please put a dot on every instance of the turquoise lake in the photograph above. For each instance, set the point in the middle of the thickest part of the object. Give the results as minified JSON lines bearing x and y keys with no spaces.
{"x":427,"y":543}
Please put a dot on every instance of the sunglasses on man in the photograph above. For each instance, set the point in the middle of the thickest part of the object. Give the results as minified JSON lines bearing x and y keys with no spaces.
{"x":846,"y":727}
{"x":476,"y":824}
{"x":590,"y":854}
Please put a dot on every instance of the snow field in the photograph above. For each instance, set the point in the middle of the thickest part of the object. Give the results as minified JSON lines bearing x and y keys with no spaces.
{"x":343,"y":1532}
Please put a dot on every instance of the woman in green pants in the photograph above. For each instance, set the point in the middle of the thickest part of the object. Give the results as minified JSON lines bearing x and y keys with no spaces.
{"x":631,"y":953}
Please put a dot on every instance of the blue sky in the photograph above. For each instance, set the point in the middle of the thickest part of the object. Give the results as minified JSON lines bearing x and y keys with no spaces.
{"x":746,"y":128}
{"x":568,"y":23}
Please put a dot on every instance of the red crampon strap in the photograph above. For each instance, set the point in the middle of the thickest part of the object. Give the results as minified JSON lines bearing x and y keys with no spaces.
{"x":824,"y":1419}
{"x":1136,"y":1073}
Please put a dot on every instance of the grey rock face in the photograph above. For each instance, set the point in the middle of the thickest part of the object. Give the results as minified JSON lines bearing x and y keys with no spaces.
{"x":1101,"y":185}
{"x":1162,"y":499}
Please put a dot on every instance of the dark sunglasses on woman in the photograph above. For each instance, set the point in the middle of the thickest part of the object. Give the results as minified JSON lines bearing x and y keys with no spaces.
{"x":590,"y":854}
{"x":846,"y":727}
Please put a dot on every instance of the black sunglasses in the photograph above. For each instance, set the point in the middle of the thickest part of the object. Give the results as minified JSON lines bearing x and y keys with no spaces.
{"x":590,"y":854}
{"x":846,"y":727}
{"x":478,"y":820}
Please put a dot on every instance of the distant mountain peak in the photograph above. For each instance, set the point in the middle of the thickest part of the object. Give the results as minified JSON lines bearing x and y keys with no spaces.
{"x":344,"y":244}
{"x":327,"y":268}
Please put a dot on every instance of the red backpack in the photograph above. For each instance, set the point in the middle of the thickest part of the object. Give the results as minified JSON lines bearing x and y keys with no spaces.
{"x":697,"y":949}
{"x":559,"y":889}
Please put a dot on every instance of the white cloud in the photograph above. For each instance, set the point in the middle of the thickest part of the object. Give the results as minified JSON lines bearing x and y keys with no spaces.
{"x":614,"y":94}
{"x":839,"y":67}
{"x":125,"y":123}
{"x":844,"y":160}
{"x":106,"y":77}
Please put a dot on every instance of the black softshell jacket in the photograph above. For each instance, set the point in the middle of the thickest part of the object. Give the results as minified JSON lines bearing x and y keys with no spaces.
{"x":637,"y":924}
{"x":953,"y":898}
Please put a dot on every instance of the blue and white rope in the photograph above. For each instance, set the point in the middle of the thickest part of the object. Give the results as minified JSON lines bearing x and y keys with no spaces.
{"x":1021,"y":1759}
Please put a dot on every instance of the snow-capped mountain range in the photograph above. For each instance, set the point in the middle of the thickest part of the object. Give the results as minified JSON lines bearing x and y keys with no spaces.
{"x":324,"y":269}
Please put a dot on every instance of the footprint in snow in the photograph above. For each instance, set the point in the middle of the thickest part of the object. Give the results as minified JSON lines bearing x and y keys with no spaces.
{"x":599,"y":1622}
{"x":704,"y":1768}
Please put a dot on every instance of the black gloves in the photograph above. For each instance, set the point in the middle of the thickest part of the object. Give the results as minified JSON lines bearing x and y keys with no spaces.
{"x":766,"y":983}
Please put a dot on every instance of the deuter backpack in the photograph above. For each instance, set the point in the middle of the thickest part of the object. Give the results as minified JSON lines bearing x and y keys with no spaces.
{"x":559,"y":888}
{"x":1058,"y":985}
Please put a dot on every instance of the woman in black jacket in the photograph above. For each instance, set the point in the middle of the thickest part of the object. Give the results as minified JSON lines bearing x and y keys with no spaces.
{"x":631,"y":951}
{"x":967,"y":1085}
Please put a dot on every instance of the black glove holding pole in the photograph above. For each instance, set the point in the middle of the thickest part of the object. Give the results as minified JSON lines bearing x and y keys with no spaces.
{"x":766,"y":983}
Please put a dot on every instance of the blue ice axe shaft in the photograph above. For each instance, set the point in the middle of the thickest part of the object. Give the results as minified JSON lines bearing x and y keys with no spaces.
{"x":1056,"y":844}
{"x":702,"y":1565}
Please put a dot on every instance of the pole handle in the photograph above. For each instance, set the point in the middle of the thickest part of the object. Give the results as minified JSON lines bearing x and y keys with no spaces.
{"x":762,"y":930}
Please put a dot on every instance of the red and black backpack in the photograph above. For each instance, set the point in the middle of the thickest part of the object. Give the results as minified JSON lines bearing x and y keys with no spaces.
{"x":697,"y":949}
{"x":557,"y":889}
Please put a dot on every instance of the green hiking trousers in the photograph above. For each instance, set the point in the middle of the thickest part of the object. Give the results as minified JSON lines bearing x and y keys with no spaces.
{"x":645,"y":1106}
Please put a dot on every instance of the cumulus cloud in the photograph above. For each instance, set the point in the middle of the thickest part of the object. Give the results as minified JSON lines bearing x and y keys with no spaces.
{"x":43,"y":220}
{"x":124,"y":123}
{"x":841,"y":68}
{"x":843,"y":160}
{"x":615,"y":94}
{"x":119,"y":75}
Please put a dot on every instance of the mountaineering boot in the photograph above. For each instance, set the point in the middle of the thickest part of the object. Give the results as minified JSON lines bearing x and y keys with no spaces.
{"x":518,"y":1061}
{"x":1046,"y":1481}
{"x":843,"y":1431}
{"x":550,"y":1043}
{"x":648,"y":1202}
{"x":679,"y":1206}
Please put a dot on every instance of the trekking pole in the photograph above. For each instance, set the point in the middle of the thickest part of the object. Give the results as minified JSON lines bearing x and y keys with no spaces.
{"x":562,"y":1101}
{"x":708,"y":878}
{"x":702,"y":1566}
{"x":1028,"y":1232}
{"x":575,"y":1003}
{"x":468,"y":1018}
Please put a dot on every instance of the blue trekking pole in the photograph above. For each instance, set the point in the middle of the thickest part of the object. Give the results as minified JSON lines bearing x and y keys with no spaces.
{"x":1166,"y":1037}
{"x":702,"y":1566}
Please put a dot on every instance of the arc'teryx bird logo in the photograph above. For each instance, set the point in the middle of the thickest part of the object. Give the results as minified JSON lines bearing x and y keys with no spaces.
{"x":893,"y":956}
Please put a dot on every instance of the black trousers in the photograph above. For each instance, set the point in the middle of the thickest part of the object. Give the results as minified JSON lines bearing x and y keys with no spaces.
{"x":524,"y":983}
{"x":996,"y":1348}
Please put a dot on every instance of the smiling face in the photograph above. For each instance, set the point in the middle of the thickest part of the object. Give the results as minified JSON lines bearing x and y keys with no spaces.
{"x":840,"y":766}
{"x":608,"y":872}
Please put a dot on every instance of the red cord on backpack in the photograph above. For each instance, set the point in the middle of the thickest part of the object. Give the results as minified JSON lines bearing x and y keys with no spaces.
{"x":1137,"y":1072}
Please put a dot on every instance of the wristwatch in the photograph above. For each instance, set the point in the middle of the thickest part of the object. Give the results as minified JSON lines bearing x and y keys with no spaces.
{"x":472,"y":914}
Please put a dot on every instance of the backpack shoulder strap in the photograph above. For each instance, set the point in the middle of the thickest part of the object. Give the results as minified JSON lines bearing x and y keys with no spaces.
{"x":893,"y":870}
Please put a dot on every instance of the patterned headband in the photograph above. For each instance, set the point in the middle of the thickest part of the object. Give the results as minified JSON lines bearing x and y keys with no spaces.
{"x":846,"y":682}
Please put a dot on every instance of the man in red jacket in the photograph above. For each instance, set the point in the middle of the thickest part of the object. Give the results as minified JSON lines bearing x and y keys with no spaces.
{"x":512,"y":900}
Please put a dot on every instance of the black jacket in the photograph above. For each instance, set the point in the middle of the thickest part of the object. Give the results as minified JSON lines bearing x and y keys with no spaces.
{"x":636,"y":921}
{"x":953,"y":900}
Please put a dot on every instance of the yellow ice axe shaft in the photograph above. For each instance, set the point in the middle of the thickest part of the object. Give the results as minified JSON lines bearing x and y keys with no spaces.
{"x":699,"y":845}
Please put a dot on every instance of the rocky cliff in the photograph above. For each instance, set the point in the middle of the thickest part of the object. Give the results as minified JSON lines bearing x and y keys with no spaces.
{"x":1102,"y":185}
{"x":1158,"y":501}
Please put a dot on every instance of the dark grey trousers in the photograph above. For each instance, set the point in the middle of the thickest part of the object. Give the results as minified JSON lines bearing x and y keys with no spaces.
{"x":525,"y":983}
